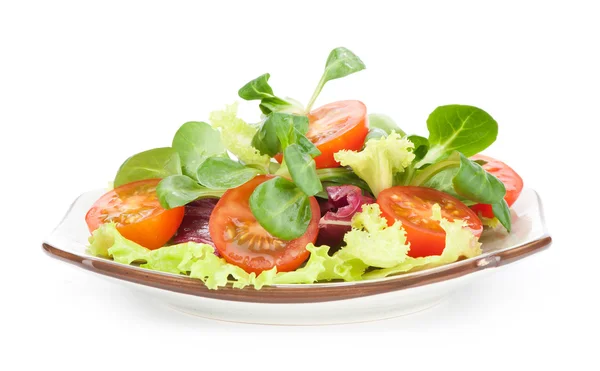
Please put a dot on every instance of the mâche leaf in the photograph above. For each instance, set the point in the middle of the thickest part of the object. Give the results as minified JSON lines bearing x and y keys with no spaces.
{"x":259,"y":89}
{"x":152,"y":164}
{"x":476,"y":184}
{"x":278,"y":131}
{"x":224,"y":173}
{"x":281,"y":208}
{"x":195,"y":142}
{"x":302,"y":168}
{"x":179,"y":190}
{"x":502,"y":212}
{"x":340,"y":63}
{"x":466,"y":129}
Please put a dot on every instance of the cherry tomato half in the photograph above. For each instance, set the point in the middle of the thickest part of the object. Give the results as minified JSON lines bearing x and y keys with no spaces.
{"x":412,"y":206}
{"x":512,"y":182}
{"x":336,"y":126}
{"x":242,"y":241}
{"x":135,"y":208}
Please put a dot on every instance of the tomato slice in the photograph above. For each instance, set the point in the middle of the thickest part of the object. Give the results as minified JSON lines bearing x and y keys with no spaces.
{"x":135,"y":208}
{"x":336,"y":126}
{"x":512,"y":182}
{"x":242,"y":241}
{"x":412,"y":206}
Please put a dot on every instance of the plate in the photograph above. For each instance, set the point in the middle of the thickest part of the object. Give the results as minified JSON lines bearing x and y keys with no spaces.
{"x":308,"y":304}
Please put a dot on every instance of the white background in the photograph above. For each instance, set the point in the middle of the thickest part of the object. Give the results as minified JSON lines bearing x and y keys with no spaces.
{"x":84,"y":85}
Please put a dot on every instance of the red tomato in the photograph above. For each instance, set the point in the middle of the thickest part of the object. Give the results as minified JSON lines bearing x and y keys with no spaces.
{"x":512,"y":181}
{"x":134,"y":207}
{"x":412,"y":206}
{"x":242,"y":241}
{"x":336,"y":126}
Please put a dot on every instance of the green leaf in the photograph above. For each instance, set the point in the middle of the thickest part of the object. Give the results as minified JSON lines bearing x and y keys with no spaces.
{"x":385,"y":123}
{"x":342,"y":176}
{"x":340,"y":63}
{"x":443,"y":181}
{"x":476,"y":184}
{"x":502,"y":212}
{"x":466,"y":129}
{"x":278,"y":131}
{"x":237,"y":136}
{"x":224,"y":173}
{"x":307,"y":146}
{"x":421,"y":146}
{"x":380,"y":161}
{"x":179,"y":190}
{"x":195,"y":142}
{"x":258,"y":88}
{"x":281,"y":208}
{"x":460,"y":242}
{"x":302,"y":168}
{"x":152,"y":164}
{"x":373,"y":242}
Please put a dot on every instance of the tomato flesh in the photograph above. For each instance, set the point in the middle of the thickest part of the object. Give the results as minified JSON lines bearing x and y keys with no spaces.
{"x":334,"y":127}
{"x":413,"y":207}
{"x":512,"y":182}
{"x":137,"y":213}
{"x":242,"y":241}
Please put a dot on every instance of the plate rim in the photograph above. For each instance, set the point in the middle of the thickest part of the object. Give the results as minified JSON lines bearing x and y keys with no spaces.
{"x":300,"y":293}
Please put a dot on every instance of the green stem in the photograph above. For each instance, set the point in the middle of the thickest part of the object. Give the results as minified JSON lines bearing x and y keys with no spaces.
{"x":315,"y":94}
{"x":422,"y":176}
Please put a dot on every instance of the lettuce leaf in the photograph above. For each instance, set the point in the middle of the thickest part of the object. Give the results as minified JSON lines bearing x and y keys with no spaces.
{"x":460,"y":242}
{"x":237,"y":136}
{"x":381,"y":158}
{"x":373,"y":242}
{"x":337,"y":212}
{"x":370,"y":243}
{"x":197,"y":259}
{"x":323,"y":267}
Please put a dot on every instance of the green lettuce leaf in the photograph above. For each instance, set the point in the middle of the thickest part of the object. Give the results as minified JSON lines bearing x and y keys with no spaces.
{"x":323,"y":267}
{"x":460,"y":242}
{"x":196,"y":259}
{"x":381,"y":158}
{"x":237,"y":136}
{"x":373,"y":242}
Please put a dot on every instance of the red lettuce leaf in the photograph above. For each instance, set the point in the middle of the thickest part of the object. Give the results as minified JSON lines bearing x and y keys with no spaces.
{"x":194,"y":227}
{"x":337,"y":212}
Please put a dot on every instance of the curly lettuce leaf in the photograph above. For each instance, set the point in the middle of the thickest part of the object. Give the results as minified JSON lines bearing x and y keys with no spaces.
{"x":323,"y":267}
{"x":197,"y":259}
{"x":237,"y":136}
{"x":460,"y":242}
{"x":491,"y":223}
{"x":373,"y":242}
{"x":337,"y":212}
{"x":370,"y":243}
{"x":379,"y":161}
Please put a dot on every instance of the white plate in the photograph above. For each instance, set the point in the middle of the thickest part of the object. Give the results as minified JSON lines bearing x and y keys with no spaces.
{"x":314,"y":304}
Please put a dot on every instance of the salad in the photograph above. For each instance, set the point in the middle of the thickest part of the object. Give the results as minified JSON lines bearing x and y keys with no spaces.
{"x":306,"y":194}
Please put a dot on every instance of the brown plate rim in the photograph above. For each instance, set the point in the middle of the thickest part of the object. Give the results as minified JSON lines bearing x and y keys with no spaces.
{"x":314,"y":293}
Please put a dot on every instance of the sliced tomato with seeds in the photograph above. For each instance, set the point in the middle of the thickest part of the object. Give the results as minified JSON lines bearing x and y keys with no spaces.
{"x":512,"y":182}
{"x":242,"y":241}
{"x":137,"y":213}
{"x":334,"y":127}
{"x":413,"y":207}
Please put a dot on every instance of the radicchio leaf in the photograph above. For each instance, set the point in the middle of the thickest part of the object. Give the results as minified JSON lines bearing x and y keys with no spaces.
{"x":337,"y":212}
{"x":194,"y":227}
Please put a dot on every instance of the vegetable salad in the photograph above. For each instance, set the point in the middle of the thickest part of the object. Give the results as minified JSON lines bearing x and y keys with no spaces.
{"x":306,"y":194}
